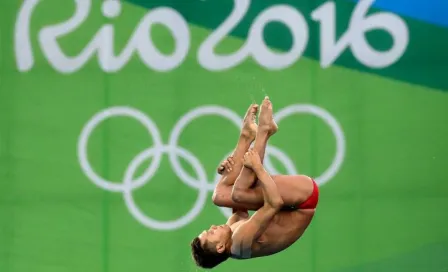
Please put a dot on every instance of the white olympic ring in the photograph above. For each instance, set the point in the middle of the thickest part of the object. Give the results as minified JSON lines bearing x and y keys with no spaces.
{"x":174,"y":151}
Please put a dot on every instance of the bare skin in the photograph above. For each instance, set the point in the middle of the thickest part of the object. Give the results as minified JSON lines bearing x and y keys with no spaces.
{"x":294,"y":189}
{"x":245,"y":185}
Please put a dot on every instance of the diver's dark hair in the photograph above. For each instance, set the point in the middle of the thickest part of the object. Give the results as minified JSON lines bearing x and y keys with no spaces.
{"x":204,"y":257}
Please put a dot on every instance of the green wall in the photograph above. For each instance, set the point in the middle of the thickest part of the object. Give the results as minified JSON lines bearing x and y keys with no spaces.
{"x":111,"y":131}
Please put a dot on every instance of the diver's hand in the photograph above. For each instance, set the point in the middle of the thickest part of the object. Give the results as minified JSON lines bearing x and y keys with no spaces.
{"x":226,"y":165}
{"x":252,"y":159}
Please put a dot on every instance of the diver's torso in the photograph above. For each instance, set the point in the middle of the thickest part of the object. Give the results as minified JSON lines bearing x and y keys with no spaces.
{"x":286,"y":228}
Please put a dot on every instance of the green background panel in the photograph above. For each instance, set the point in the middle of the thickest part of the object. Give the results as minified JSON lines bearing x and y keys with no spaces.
{"x":383,"y":211}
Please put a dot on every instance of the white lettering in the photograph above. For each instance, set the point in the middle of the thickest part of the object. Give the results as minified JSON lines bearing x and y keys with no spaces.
{"x":296,"y":23}
{"x":22,"y":40}
{"x":206,"y":55}
{"x":102,"y":44}
{"x":103,"y":41}
{"x":150,"y":55}
{"x":48,"y":40}
{"x":354,"y":36}
{"x":255,"y":45}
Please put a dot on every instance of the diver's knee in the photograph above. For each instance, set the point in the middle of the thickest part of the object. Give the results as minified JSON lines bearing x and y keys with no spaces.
{"x":237,"y":195}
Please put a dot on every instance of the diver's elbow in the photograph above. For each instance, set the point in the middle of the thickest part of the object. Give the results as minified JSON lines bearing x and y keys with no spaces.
{"x":218,"y":199}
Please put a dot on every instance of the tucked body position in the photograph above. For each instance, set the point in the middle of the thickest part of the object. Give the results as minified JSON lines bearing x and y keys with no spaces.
{"x":284,"y":205}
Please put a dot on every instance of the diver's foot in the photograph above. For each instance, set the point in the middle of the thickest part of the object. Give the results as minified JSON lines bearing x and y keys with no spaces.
{"x":250,"y":127}
{"x":266,"y":121}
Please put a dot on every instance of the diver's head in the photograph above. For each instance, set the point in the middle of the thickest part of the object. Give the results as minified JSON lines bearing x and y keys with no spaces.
{"x":212,"y":246}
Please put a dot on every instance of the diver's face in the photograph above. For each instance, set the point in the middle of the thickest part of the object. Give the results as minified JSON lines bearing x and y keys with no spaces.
{"x":216,"y":237}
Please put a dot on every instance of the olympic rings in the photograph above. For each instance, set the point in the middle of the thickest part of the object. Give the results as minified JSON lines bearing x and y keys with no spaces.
{"x":174,"y":151}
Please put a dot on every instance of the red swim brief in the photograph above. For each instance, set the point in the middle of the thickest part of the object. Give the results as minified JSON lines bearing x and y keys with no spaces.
{"x":311,"y":202}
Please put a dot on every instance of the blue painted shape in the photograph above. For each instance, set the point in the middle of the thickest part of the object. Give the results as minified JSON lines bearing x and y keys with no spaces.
{"x":430,"y":11}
